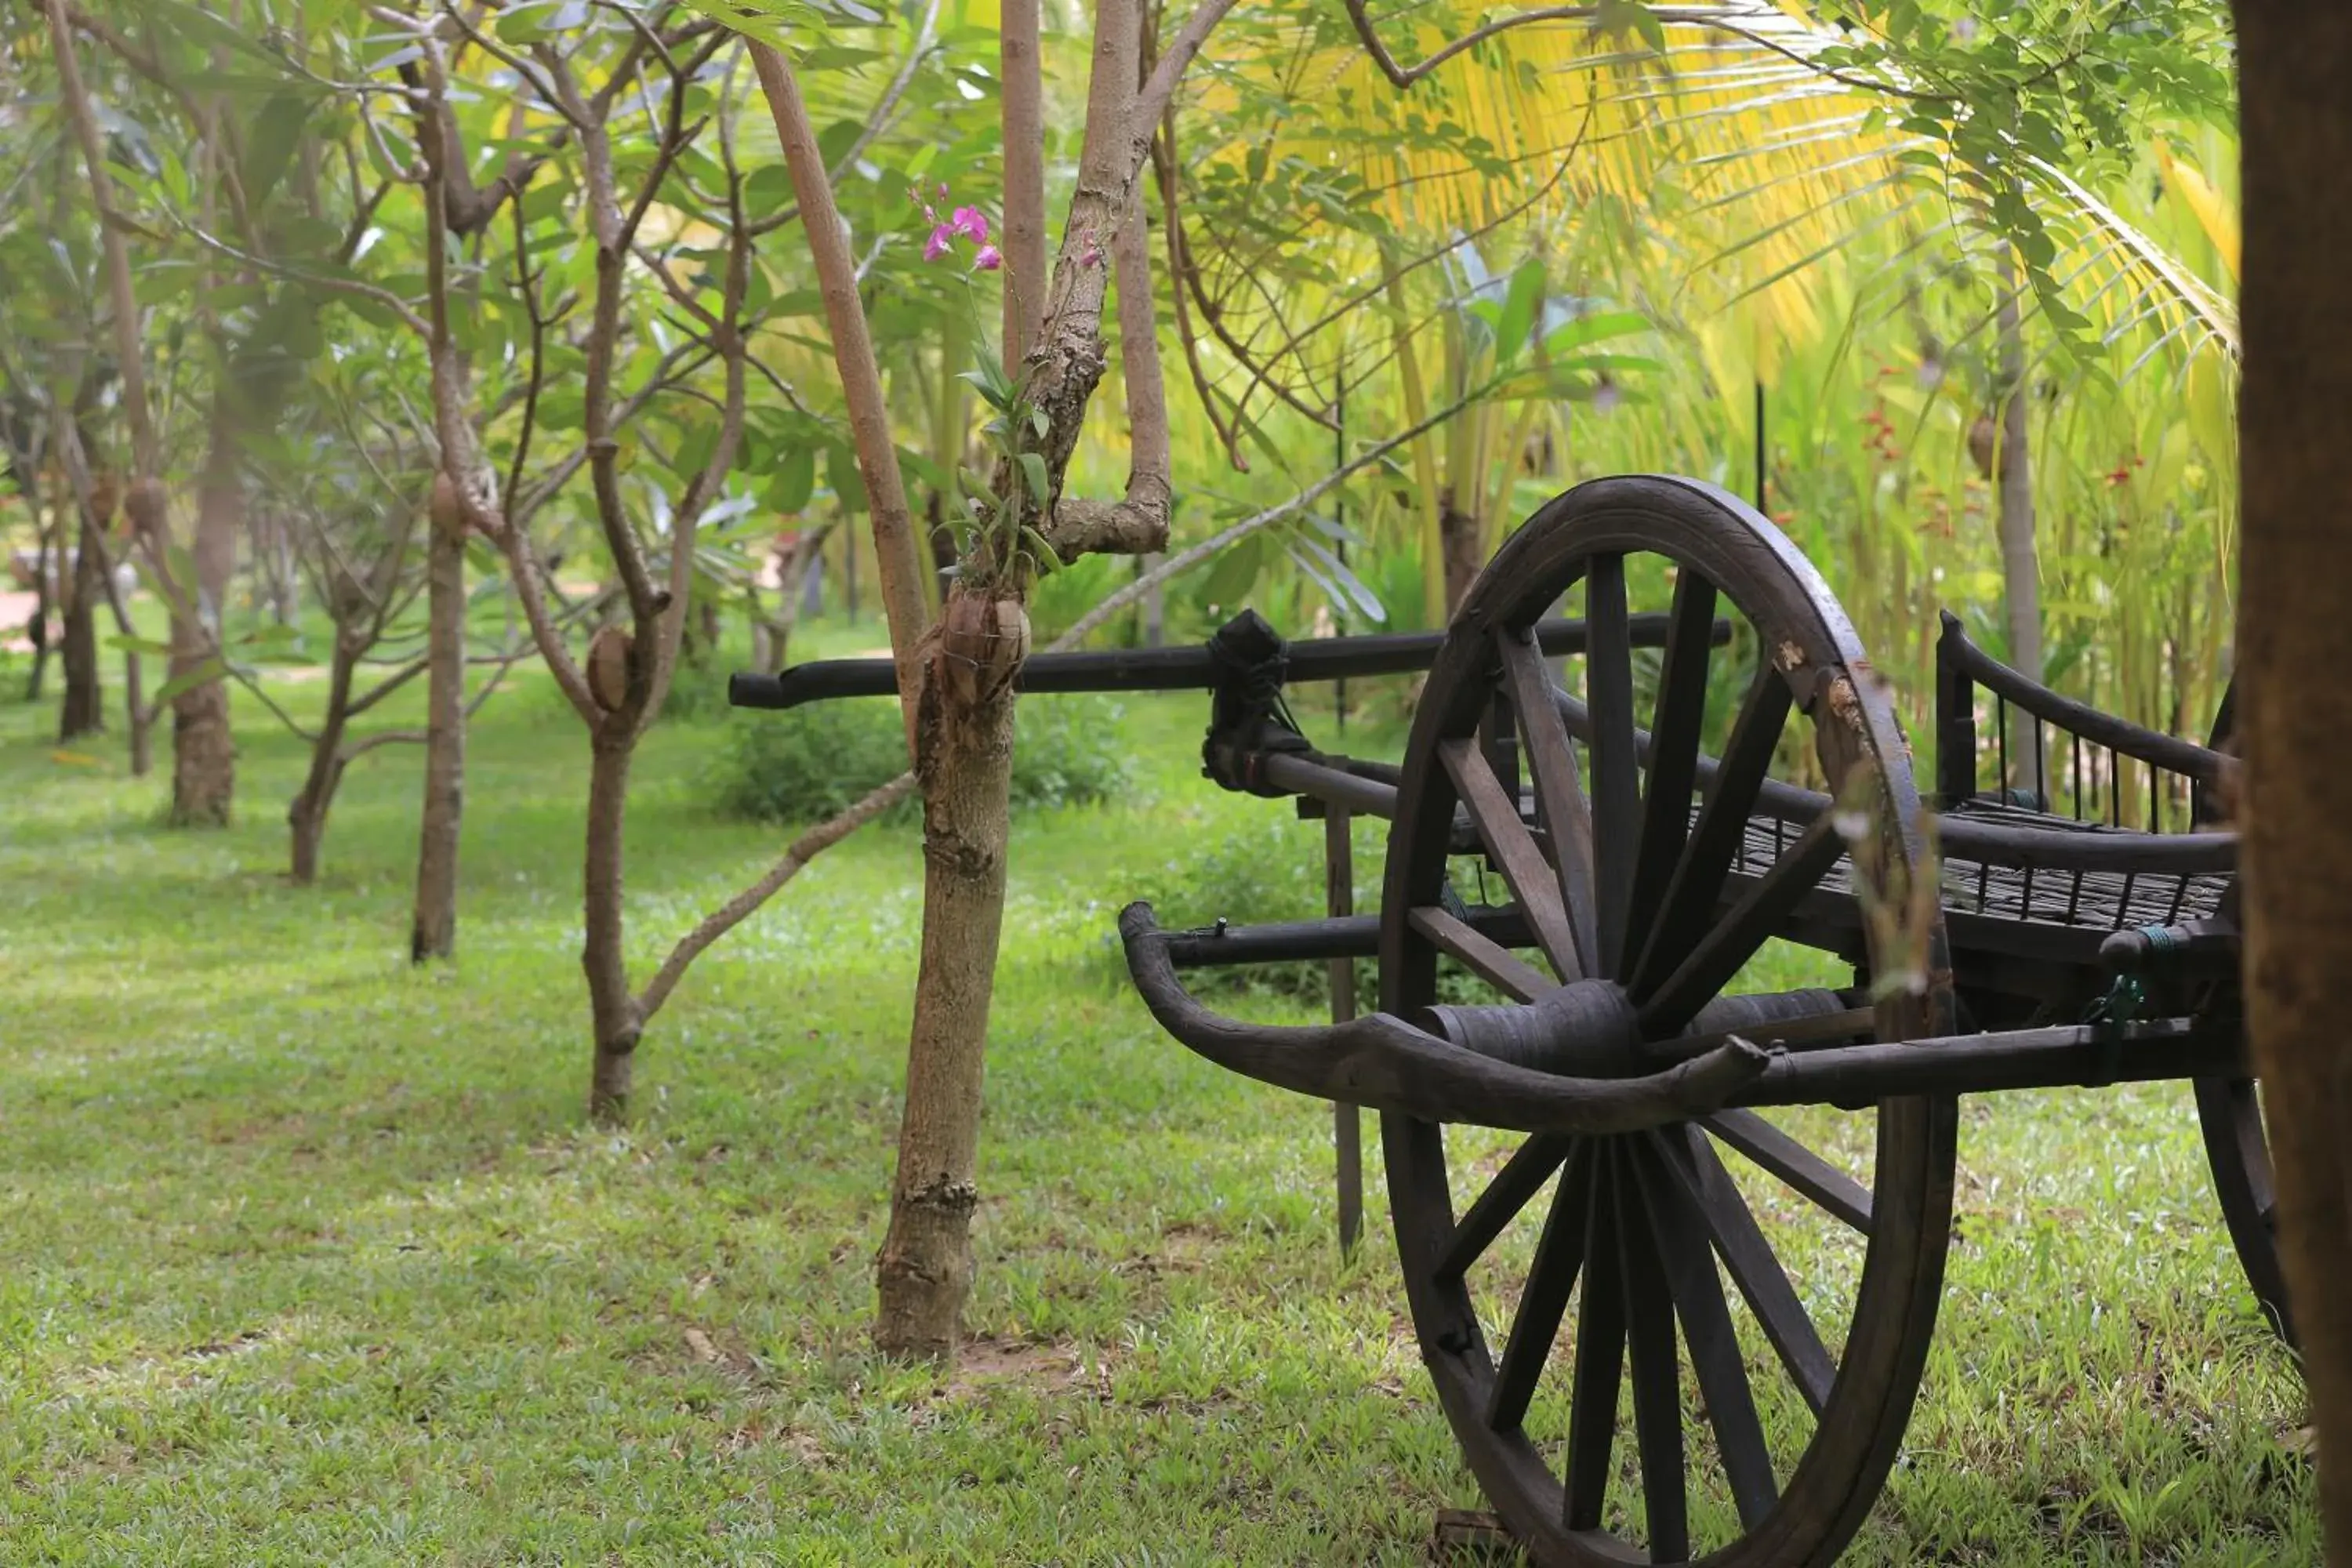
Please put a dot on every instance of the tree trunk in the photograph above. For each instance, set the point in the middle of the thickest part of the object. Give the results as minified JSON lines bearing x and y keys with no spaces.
{"x":965,"y":767}
{"x":306,"y":815}
{"x":203,"y":754}
{"x":83,"y":711}
{"x":45,"y":577}
{"x":1459,"y":531}
{"x":433,"y":932}
{"x":614,"y":1011}
{"x":2020,"y":564}
{"x":2294,"y":639}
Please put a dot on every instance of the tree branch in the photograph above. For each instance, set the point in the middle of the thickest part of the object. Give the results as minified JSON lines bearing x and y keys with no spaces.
{"x":895,"y":556}
{"x":1021,"y":74}
{"x":129,"y":351}
{"x":735,"y":910}
{"x":1138,"y":525}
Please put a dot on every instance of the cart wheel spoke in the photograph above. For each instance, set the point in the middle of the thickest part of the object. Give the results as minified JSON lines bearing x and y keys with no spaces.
{"x":1673,"y":755}
{"x":1490,"y":961}
{"x":1795,"y":1165}
{"x":1628,"y":1276}
{"x":1755,"y":1267}
{"x":1715,"y":1359}
{"x":1496,"y":816}
{"x":1616,"y":766}
{"x":1560,"y":790}
{"x":1709,"y":967}
{"x":1544,"y":1299}
{"x":1657,"y":1379}
{"x":1522,"y":1177}
{"x":1688,"y":905}
{"x":1600,"y":1355}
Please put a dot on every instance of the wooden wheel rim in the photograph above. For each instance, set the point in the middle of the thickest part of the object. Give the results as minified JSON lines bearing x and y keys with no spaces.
{"x":1825,"y":1497}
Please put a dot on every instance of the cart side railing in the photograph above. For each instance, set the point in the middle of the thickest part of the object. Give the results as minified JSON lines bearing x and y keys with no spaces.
{"x":2096,"y":746}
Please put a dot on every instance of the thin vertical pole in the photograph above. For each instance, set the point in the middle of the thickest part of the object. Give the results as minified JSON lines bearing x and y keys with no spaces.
{"x":849,"y":569}
{"x":1340,"y":510}
{"x":1347,"y":1121}
{"x":1761,"y":465}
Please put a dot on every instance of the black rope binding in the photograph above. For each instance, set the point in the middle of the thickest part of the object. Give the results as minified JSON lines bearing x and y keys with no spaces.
{"x":1248,"y":718}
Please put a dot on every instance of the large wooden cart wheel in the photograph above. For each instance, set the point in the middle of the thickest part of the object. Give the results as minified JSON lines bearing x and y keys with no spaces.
{"x":2238,"y":1149}
{"x":1616,"y":1400}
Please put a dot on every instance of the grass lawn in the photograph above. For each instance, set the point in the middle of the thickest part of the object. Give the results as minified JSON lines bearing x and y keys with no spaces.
{"x":310,"y":1257}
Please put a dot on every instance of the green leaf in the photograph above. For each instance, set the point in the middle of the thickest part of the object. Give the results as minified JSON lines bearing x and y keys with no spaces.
{"x":188,"y":679}
{"x":837,"y":57}
{"x":1519,"y":307}
{"x":695,"y":445}
{"x":841,"y":473}
{"x":789,"y":487}
{"x":270,"y":144}
{"x":1033,"y":471}
{"x":1236,"y":572}
{"x":147,"y":646}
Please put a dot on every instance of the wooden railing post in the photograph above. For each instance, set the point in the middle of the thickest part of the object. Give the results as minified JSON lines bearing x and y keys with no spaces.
{"x":1347,"y":1121}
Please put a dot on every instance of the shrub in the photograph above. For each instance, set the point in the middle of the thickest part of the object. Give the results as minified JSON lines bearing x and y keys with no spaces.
{"x":807,"y":764}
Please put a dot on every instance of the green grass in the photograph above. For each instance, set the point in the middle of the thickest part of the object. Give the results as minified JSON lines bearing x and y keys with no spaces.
{"x":310,"y":1257}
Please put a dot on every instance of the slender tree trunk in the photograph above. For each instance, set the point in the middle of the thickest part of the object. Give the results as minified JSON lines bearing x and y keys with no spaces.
{"x":924,"y":1269}
{"x":306,"y":815}
{"x":434,"y":933}
{"x":45,"y":578}
{"x":203,"y":754}
{"x":1020,"y":68}
{"x":2295,"y":641}
{"x":83,"y":713}
{"x":1458,"y":530}
{"x":614,"y":1011}
{"x":2020,"y":563}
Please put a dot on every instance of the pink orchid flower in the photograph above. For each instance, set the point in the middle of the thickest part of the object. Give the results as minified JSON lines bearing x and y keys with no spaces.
{"x":938,"y":244}
{"x":989,"y":259}
{"x":972,"y":222}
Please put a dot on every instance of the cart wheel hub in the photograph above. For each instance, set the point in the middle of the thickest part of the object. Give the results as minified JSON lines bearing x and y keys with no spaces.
{"x":1586,"y":1028}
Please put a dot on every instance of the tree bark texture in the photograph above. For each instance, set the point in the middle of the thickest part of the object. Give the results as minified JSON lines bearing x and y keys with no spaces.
{"x":2294,"y":642}
{"x":83,"y":711}
{"x":613,"y":1011}
{"x":203,"y":754}
{"x":306,"y":815}
{"x":433,"y":932}
{"x":924,"y":1269}
{"x":1021,"y":71}
{"x":1458,"y":534}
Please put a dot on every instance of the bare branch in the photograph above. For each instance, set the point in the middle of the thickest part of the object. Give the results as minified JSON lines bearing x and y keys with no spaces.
{"x":1138,"y":525}
{"x":129,"y":351}
{"x":735,"y":910}
{"x":351,"y":287}
{"x":1021,"y":75}
{"x":895,"y":551}
{"x":1185,"y":559}
{"x":877,"y":121}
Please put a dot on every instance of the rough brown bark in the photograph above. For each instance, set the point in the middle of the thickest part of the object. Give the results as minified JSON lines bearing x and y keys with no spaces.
{"x":433,"y":932}
{"x":83,"y":710}
{"x":924,"y":1272}
{"x":614,"y":1013}
{"x":896,"y":556}
{"x":2295,"y":641}
{"x":1021,"y":71}
{"x":123,"y":304}
{"x":203,"y":754}
{"x":305,"y":817}
{"x":1459,"y":531}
